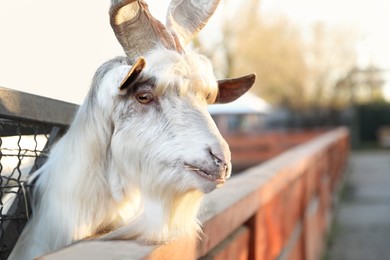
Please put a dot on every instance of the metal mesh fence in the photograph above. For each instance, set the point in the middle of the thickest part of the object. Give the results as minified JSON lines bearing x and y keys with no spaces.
{"x":29,"y":125}
{"x":23,"y":149}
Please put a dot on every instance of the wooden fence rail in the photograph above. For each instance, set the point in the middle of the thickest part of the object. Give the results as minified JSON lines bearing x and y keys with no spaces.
{"x":252,"y":149}
{"x":278,"y":210}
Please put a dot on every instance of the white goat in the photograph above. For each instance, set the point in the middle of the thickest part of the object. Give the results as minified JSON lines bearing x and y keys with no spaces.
{"x":142,"y":149}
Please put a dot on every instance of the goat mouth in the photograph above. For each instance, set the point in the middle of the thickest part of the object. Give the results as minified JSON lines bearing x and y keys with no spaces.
{"x":218,"y":179}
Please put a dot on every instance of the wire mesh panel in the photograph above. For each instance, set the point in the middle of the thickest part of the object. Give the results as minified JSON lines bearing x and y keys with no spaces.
{"x":23,"y":149}
{"x":29,"y":125}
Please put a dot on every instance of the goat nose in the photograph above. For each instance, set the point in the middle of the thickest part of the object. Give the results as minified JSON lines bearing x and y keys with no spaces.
{"x":218,"y":161}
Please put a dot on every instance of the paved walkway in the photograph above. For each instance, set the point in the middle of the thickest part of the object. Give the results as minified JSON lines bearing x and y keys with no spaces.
{"x":362,"y":222}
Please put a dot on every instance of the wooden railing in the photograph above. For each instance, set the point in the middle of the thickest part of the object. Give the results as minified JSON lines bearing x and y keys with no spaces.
{"x":251,"y":149}
{"x":278,"y":210}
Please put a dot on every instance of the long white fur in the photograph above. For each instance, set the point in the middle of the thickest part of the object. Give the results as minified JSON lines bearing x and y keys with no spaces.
{"x":119,"y":170}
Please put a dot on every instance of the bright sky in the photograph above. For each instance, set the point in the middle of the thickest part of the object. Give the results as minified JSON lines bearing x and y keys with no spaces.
{"x":370,"y":17}
{"x":52,"y":48}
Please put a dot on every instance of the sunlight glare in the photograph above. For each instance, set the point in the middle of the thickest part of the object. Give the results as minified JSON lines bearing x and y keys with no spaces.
{"x":386,"y":92}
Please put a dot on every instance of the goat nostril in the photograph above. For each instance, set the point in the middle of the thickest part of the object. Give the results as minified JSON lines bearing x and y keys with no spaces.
{"x":217,"y":160}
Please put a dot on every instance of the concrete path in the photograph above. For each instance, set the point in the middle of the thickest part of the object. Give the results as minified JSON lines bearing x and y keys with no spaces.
{"x":362,"y":223}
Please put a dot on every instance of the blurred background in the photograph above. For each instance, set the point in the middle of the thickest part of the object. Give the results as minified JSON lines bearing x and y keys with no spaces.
{"x":319,"y":64}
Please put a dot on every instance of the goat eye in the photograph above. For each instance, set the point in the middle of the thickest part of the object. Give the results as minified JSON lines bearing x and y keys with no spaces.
{"x":144,"y":98}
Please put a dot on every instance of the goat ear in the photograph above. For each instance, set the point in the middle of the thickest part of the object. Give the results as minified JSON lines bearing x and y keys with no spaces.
{"x":231,"y":89}
{"x":132,"y":76}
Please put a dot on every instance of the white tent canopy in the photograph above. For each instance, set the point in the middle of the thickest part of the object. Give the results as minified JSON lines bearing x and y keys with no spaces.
{"x":247,"y":104}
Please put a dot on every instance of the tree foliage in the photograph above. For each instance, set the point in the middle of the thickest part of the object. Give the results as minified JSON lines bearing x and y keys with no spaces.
{"x":296,"y":67}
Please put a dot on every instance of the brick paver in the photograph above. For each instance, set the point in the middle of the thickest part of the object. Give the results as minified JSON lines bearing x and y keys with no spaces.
{"x":362,"y":223}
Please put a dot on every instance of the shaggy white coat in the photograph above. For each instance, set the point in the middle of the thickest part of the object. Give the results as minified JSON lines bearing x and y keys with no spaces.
{"x":120,"y":169}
